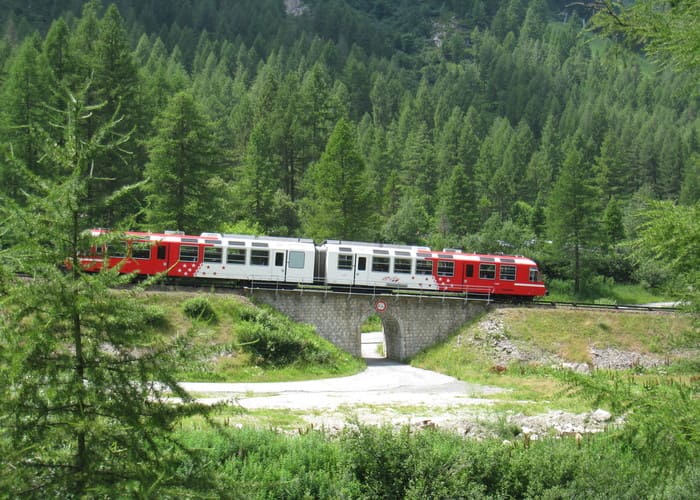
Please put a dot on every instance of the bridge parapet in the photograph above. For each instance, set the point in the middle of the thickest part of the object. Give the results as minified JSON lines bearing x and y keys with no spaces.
{"x":411,"y":322}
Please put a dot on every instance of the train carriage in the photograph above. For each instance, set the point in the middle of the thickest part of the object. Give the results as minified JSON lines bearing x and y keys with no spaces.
{"x":209,"y":256}
{"x":376,"y":265}
{"x":419,"y":268}
{"x":487,"y":274}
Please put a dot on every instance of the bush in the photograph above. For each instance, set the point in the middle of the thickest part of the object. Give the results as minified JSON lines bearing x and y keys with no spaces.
{"x":276,"y":341}
{"x":199,"y":308}
{"x":155,"y":317}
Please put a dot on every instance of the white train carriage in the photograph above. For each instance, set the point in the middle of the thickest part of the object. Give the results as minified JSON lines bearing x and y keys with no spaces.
{"x":359,"y":264}
{"x":252,"y":258}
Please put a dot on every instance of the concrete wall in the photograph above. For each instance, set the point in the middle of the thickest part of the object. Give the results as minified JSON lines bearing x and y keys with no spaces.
{"x":411,"y":323}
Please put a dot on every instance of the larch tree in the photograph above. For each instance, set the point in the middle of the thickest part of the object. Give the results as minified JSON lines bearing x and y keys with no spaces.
{"x":85,"y":380}
{"x":115,"y":83}
{"x":259,"y":179}
{"x":668,"y":30}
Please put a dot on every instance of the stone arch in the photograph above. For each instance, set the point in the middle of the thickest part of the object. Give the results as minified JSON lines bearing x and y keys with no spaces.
{"x":393,"y":342}
{"x":392,"y":337}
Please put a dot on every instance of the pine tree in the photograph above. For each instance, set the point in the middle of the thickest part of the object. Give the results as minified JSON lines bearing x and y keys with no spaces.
{"x":183,"y":160}
{"x":83,"y":380}
{"x":572,"y":217}
{"x":24,"y":99}
{"x":259,"y":179}
{"x":338,"y":204}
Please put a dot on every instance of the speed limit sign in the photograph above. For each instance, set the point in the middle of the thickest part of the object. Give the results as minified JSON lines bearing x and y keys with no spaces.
{"x":380,"y":306}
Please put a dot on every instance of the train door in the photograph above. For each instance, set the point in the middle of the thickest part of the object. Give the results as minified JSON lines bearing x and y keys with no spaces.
{"x":161,"y":257}
{"x":299,"y":267}
{"x":468,"y":280}
{"x":361,"y":270}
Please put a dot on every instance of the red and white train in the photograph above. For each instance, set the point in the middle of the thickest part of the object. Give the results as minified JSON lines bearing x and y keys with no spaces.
{"x":336,"y":264}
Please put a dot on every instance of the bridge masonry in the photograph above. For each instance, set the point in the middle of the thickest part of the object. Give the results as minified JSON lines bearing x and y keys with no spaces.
{"x":411,"y":323}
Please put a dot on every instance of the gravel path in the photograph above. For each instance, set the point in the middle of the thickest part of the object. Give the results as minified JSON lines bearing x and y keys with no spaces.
{"x":391,"y":393}
{"x":382,"y":383}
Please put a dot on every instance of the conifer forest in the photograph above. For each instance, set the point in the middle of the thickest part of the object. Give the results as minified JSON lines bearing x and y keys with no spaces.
{"x":490,"y":126}
{"x":568,"y":132}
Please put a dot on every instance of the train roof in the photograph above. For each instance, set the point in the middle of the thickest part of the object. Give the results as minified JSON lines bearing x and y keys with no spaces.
{"x":421,"y":252}
{"x":212,"y":238}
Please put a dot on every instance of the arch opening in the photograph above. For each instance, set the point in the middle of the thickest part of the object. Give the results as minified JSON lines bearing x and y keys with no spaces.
{"x":381,"y":338}
{"x":373,"y":341}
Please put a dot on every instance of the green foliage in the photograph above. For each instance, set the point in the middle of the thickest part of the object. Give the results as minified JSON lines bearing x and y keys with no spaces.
{"x":670,"y":234}
{"x":183,"y":162}
{"x":662,"y":423}
{"x":668,"y":30}
{"x":79,"y":407}
{"x":367,"y":120}
{"x":199,"y":308}
{"x":274,"y":340}
{"x":339,"y":202}
{"x":155,"y":317}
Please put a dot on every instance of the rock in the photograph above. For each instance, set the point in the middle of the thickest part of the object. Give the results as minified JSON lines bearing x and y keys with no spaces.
{"x":577,"y":367}
{"x":600,"y":416}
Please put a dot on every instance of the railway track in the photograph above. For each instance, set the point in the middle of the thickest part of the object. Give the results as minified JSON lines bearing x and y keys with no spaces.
{"x":544,"y":304}
{"x":608,"y":307}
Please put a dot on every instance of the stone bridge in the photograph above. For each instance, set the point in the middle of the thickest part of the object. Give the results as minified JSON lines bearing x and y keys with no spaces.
{"x":411,"y":322}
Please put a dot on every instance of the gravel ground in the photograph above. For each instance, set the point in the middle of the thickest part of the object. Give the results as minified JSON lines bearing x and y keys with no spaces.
{"x":390,"y":393}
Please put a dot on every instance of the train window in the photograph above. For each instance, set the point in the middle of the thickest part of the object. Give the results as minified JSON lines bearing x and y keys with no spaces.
{"x":507,"y":272}
{"x":279,"y":259}
{"x":362,"y":263}
{"x":118,"y":250}
{"x":344,"y":262}
{"x":446,"y":268}
{"x":235,"y":256}
{"x":161,"y":252}
{"x":535,"y":274}
{"x":470,"y":270}
{"x":141,"y":250}
{"x":424,"y":266}
{"x":189,"y":253}
{"x":487,"y":271}
{"x":259,"y":257}
{"x":213,"y":254}
{"x":402,"y":266}
{"x":380,"y":264}
{"x":297,"y":260}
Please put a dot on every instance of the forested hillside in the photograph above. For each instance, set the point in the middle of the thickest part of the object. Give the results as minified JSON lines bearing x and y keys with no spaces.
{"x":489,"y":125}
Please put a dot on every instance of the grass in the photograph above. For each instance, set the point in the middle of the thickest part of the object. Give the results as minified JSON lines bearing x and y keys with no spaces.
{"x":219,"y":354}
{"x":603,"y":291}
{"x":566,"y":334}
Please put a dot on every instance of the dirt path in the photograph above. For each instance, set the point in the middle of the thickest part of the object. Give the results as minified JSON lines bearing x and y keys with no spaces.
{"x":382,"y":383}
{"x":391,"y":393}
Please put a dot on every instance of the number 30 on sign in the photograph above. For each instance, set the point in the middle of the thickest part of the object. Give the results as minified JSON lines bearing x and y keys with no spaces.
{"x":380,"y":306}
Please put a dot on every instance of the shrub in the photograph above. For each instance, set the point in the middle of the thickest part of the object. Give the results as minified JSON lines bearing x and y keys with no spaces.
{"x":199,"y":308}
{"x":276,"y":341}
{"x":155,"y":317}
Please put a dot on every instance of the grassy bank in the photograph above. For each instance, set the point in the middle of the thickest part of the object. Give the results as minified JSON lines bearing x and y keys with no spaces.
{"x":567,"y":336}
{"x":238,"y":341}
